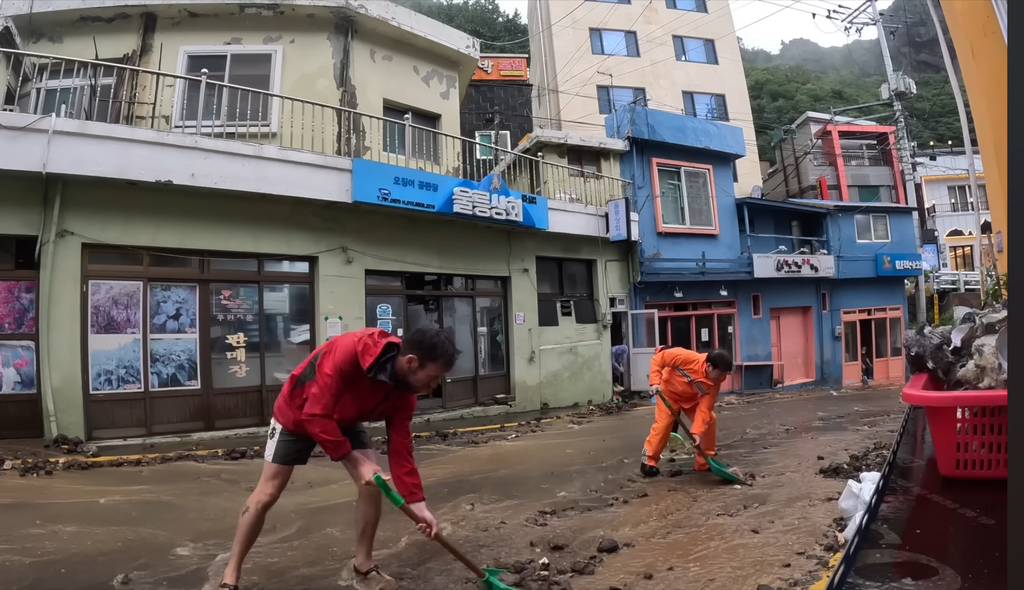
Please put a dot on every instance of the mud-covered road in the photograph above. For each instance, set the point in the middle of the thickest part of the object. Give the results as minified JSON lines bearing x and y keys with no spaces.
{"x":513,"y":502}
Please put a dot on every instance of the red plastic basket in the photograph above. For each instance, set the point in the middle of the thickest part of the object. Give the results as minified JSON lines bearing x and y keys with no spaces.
{"x":969,"y":428}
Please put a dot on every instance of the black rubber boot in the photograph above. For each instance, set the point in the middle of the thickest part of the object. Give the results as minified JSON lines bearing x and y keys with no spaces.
{"x":649,"y":470}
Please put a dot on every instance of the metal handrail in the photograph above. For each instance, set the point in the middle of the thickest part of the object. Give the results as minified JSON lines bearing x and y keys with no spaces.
{"x":136,"y":96}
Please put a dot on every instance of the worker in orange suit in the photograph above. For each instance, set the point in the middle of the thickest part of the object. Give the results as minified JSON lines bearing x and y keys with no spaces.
{"x":690,"y":381}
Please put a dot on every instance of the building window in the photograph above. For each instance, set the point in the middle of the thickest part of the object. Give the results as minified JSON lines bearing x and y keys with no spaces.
{"x":76,"y":90}
{"x":756,"y":311}
{"x":872,"y":228}
{"x":705,"y":106}
{"x":583,"y":163}
{"x":565,"y":288}
{"x":960,"y":200}
{"x":735,"y":172}
{"x":614,"y":42}
{"x":485,"y":143}
{"x":872,"y":194}
{"x":824,"y":301}
{"x":424,"y":139}
{"x":617,"y":96}
{"x":685,"y":197}
{"x":688,"y":5}
{"x":251,"y":67}
{"x":961,"y":258}
{"x":19,"y":297}
{"x":695,"y":50}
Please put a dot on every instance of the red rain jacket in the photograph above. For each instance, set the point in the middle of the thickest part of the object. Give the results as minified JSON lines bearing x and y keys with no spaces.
{"x":347,"y":381}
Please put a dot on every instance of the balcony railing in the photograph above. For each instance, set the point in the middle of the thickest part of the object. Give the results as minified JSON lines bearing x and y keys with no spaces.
{"x":118,"y":94}
{"x":951,"y":280}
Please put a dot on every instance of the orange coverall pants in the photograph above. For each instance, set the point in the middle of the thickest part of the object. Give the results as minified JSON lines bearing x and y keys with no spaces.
{"x":664,"y":424}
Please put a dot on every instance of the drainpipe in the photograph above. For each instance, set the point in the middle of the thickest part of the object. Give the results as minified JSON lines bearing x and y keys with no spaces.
{"x":42,"y":167}
{"x":44,"y":318}
{"x":746,"y":225}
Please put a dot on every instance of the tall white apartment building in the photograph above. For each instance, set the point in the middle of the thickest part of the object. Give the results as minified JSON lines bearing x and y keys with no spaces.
{"x":678,"y":55}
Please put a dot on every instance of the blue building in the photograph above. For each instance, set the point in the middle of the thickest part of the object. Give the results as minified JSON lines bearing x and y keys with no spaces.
{"x":801,"y":290}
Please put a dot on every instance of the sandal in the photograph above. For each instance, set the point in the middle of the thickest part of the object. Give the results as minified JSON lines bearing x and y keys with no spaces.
{"x":226,"y":586}
{"x":378,"y":581}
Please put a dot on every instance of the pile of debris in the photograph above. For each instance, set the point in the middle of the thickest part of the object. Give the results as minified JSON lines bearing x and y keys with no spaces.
{"x":970,"y":354}
{"x":870,"y":459}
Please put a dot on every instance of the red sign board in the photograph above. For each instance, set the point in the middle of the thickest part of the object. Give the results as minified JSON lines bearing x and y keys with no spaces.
{"x":494,"y":67}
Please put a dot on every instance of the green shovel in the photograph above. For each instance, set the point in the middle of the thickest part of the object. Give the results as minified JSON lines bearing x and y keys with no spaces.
{"x":490,"y":578}
{"x":718,"y":468}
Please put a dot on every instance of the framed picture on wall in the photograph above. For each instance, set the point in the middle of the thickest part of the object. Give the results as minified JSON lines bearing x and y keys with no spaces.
{"x":18,"y":366}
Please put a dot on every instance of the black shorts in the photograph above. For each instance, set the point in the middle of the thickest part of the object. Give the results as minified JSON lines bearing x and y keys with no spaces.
{"x":288,"y":448}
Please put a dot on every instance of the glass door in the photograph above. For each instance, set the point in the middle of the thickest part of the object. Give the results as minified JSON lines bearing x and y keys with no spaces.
{"x":704,"y":330}
{"x":643,"y":340}
{"x":851,"y":353}
{"x":459,"y":388}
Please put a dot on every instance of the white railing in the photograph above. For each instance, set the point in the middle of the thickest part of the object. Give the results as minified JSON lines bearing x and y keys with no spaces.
{"x":119,"y":94}
{"x":951,"y":280}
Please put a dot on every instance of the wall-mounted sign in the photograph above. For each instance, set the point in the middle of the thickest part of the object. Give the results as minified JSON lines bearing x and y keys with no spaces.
{"x":794,"y":265}
{"x":930,"y":257}
{"x":618,"y":220}
{"x":490,"y":199}
{"x":498,"y":67}
{"x":899,"y":265}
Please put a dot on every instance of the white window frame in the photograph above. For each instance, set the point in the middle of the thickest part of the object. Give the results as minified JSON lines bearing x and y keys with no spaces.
{"x":871,"y":219}
{"x":684,"y":199}
{"x":502,"y":135}
{"x":275,"y":86}
{"x":44,"y":83}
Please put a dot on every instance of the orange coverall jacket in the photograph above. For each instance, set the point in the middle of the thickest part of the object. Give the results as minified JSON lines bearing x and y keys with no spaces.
{"x":678,"y":390}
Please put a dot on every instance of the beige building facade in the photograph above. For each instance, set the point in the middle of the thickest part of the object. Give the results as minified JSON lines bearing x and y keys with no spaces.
{"x":675,"y":55}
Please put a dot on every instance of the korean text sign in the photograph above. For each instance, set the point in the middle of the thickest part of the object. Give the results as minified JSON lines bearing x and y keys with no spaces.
{"x":899,"y":265}
{"x":393,"y":186}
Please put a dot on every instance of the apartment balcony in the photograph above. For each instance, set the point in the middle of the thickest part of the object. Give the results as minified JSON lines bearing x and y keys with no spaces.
{"x":101,"y":119}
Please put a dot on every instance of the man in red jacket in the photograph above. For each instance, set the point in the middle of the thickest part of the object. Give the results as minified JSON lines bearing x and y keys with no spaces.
{"x":362,"y":376}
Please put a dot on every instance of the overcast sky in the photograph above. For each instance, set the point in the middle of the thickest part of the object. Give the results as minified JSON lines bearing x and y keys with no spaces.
{"x":767,"y":23}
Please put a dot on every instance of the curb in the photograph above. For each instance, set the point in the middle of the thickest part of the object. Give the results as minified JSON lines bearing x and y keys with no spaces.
{"x":170,"y":456}
{"x":826,"y":577}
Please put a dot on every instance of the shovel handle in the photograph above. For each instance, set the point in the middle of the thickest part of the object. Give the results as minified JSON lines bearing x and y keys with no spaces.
{"x":679,"y":420}
{"x":399,"y":502}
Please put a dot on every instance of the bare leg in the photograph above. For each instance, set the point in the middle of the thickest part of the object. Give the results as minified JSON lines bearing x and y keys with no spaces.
{"x":367,"y":517}
{"x":272,"y":482}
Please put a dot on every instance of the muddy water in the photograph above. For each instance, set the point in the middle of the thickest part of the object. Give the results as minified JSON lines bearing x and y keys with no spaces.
{"x":169,"y":526}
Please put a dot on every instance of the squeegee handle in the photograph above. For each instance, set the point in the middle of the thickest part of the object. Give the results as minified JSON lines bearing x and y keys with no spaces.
{"x":399,"y":502}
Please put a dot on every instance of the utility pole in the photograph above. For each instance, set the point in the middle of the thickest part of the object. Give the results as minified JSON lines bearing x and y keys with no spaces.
{"x":954,"y":81}
{"x":906,"y":157}
{"x":898,"y":85}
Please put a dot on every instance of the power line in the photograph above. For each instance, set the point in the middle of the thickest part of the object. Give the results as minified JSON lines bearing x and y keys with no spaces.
{"x":562,"y":106}
{"x":649,"y":34}
{"x":672,"y":57}
{"x":528,"y":37}
{"x":607,"y":57}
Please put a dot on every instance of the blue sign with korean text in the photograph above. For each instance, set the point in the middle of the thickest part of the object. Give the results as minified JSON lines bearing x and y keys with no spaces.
{"x":899,"y":265}
{"x":488,"y":200}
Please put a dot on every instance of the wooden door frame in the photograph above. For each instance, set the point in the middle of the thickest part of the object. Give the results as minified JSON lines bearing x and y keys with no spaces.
{"x":204,"y":276}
